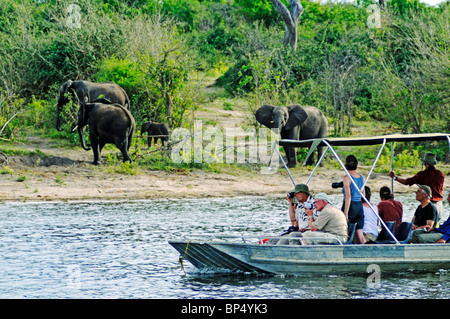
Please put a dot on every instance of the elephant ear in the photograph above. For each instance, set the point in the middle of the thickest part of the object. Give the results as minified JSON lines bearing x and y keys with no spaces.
{"x":66,"y":86}
{"x":297,"y":115}
{"x":264,"y":115}
{"x":85,"y":109}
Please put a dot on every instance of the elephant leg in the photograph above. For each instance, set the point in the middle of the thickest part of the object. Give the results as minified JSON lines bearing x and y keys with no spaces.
{"x":130,"y":140}
{"x":310,"y":160}
{"x":319,"y":154}
{"x":96,"y":149}
{"x":291,"y":156}
{"x":149,"y":141}
{"x":100,"y":147}
{"x":122,"y":145}
{"x":291,"y":152}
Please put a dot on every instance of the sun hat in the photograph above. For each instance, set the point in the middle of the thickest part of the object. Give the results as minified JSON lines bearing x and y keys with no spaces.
{"x":301,"y":188}
{"x":429,"y":158}
{"x":426,"y":188}
{"x":322,"y":196}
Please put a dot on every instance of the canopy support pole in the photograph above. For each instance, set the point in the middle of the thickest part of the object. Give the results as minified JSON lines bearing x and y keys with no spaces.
{"x":359,"y":191}
{"x":317,"y":165}
{"x":374,"y":163}
{"x":392,"y":166}
{"x":285,"y":166}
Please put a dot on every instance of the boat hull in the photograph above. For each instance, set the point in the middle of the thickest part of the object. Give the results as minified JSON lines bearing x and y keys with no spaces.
{"x":314,"y":259}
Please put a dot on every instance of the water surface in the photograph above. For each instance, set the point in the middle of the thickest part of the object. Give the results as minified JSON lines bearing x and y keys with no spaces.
{"x":120,"y":250}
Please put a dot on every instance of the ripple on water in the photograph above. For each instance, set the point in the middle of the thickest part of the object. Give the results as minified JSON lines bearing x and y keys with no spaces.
{"x":120,"y":250}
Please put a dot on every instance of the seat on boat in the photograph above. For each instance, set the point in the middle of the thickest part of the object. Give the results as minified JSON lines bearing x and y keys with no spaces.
{"x":403,"y":234}
{"x":384,"y":235}
{"x":351,"y":228}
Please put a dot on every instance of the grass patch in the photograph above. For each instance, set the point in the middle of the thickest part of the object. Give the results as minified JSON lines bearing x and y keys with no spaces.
{"x":21,"y":152}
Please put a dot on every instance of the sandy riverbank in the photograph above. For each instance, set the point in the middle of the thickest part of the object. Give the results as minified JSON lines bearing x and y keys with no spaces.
{"x":69,"y":175}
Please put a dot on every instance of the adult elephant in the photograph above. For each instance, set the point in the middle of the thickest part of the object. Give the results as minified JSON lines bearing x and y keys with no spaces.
{"x":155,"y":131}
{"x":294,"y":122}
{"x":108,"y":123}
{"x":86,"y":92}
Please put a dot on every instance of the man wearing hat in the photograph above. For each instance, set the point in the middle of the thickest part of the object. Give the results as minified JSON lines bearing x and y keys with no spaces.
{"x":330,"y":225}
{"x":297,"y":215}
{"x":431,"y":177}
{"x":425,"y":217}
{"x":439,"y":235}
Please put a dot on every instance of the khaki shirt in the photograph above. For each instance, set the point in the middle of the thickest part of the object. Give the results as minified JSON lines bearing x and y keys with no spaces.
{"x":331,"y":220}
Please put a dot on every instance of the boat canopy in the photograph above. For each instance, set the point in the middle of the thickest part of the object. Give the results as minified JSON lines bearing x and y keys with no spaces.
{"x":373,"y":140}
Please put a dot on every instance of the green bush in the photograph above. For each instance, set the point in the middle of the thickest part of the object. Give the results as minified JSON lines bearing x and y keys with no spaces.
{"x":397,"y":73}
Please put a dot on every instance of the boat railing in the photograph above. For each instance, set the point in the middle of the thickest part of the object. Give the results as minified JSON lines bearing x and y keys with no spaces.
{"x":261,"y":239}
{"x":213,"y":237}
{"x":292,"y":240}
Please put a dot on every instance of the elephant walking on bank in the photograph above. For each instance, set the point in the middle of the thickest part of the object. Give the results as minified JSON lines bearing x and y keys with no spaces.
{"x":156,"y":131}
{"x":294,"y":122}
{"x":87,"y":92}
{"x":108,"y":123}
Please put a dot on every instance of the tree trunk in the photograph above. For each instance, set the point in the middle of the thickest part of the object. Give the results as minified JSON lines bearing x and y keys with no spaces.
{"x":169,"y":106}
{"x":290,"y":20}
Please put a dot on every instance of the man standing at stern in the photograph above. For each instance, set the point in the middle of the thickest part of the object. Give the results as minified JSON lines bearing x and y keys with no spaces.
{"x":431,"y":177}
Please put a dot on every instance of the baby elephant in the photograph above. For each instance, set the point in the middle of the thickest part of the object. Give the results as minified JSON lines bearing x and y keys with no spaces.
{"x":156,"y":131}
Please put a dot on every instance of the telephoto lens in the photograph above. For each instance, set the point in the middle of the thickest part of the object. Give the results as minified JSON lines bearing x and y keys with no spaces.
{"x":337,"y":184}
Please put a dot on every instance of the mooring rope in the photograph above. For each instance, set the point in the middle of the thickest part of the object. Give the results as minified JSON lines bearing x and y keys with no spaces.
{"x":180,"y":260}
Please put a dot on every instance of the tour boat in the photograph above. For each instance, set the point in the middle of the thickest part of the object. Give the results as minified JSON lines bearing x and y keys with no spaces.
{"x":256,"y":255}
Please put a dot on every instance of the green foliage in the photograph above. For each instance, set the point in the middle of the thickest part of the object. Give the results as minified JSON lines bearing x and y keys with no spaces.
{"x":258,"y":10}
{"x":404,"y":160}
{"x":398,"y":73}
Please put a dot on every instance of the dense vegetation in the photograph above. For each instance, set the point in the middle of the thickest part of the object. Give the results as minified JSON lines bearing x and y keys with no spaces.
{"x":397,"y":73}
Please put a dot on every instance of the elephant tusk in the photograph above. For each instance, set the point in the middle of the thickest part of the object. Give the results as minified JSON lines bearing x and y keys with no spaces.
{"x":75,"y":128}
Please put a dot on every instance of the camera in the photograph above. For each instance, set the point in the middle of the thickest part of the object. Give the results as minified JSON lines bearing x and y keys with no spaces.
{"x":291,"y":195}
{"x":308,"y":205}
{"x":337,"y":184}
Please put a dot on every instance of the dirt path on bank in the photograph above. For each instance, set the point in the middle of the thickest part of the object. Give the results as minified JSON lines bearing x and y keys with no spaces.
{"x":69,"y":175}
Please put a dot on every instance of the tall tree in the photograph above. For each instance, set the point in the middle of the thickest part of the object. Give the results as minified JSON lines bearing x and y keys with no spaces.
{"x":290,"y":19}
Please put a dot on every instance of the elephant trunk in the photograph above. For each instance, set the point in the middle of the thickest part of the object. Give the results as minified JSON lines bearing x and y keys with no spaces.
{"x":277,"y":125}
{"x":83,"y":141}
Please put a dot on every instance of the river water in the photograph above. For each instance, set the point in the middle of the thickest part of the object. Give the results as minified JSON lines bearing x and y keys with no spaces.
{"x":120,"y":250}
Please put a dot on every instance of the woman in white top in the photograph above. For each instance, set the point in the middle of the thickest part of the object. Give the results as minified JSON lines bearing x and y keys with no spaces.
{"x":370,"y":228}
